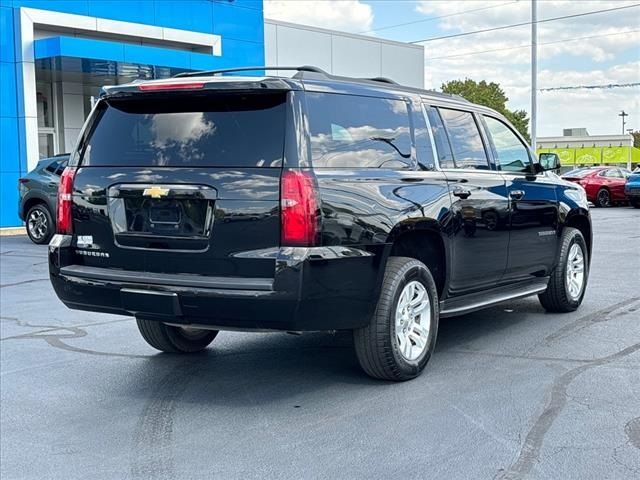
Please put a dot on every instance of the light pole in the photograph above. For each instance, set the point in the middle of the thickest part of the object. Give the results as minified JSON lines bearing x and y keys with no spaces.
{"x":623,"y":114}
{"x":534,"y":72}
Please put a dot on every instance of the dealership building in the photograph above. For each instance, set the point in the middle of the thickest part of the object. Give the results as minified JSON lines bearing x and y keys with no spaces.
{"x":56,"y":54}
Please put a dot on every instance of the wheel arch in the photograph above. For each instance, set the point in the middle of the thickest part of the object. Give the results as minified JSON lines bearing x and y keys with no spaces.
{"x":31,"y":202}
{"x":423,"y":240}
{"x":582,"y":222}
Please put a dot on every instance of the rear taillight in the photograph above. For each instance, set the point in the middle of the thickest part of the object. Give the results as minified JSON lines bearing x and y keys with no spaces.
{"x":300,"y":209}
{"x":65,"y":191}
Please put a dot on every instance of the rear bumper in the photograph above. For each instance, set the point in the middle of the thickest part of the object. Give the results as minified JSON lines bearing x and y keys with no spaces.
{"x":319,"y":288}
{"x":632,"y":191}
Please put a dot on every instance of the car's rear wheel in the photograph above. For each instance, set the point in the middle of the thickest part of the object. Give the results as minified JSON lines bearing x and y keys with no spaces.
{"x":603,"y":199}
{"x":39,"y":224}
{"x":568,"y":281}
{"x":400,"y":338}
{"x":171,"y":339}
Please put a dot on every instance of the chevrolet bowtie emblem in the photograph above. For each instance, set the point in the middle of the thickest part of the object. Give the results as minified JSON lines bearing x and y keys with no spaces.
{"x":155,"y":192}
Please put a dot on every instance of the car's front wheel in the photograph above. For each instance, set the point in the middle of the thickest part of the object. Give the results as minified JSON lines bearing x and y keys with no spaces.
{"x":39,"y":224}
{"x":400,"y":338}
{"x":568,"y":281}
{"x":171,"y":339}
{"x":635,"y":202}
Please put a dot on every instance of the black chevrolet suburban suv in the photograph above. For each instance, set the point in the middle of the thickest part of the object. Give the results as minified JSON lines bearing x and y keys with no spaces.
{"x":217,"y":201}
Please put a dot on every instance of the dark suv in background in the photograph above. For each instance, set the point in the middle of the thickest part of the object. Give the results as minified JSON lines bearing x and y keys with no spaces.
{"x":208,"y":202}
{"x":38,"y":192}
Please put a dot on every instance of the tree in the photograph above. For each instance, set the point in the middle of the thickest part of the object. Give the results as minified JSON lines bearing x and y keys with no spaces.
{"x":492,"y":96}
{"x":636,"y":138}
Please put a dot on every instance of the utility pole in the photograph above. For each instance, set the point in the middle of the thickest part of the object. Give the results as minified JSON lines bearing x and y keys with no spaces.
{"x":534,"y":73}
{"x":623,"y":114}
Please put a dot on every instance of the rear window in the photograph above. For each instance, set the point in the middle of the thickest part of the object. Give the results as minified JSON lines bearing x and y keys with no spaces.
{"x":189,"y":131}
{"x":350,"y":131}
{"x":578,"y":172}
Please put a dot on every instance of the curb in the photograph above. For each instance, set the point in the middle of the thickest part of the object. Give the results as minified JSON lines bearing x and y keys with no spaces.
{"x":11,"y":231}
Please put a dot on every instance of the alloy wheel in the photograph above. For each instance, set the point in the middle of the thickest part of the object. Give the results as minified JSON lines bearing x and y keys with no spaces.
{"x":37,"y":224}
{"x":575,"y":271}
{"x":413,"y":320}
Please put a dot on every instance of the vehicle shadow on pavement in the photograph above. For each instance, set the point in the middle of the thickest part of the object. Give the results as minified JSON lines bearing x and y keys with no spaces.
{"x":455,"y":332}
{"x":265,"y":368}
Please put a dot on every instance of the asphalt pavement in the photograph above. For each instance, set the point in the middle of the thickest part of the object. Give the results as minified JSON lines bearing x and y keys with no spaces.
{"x":511,"y":393}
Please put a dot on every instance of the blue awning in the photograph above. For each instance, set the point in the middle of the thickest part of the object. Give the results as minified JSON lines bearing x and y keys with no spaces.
{"x":118,"y":52}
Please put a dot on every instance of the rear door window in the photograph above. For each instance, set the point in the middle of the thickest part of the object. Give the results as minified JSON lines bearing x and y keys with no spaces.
{"x":443,"y":147}
{"x":350,"y":131}
{"x":466,"y":142}
{"x":209,"y":130}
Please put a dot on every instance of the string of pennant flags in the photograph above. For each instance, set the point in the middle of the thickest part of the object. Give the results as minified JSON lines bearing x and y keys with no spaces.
{"x":591,"y":87}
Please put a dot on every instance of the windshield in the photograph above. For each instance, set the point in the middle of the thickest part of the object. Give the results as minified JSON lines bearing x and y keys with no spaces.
{"x":240,"y":130}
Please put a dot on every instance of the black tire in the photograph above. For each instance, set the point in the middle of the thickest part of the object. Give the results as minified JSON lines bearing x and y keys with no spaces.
{"x":376,"y":344}
{"x":603,"y":198}
{"x":170,"y":339}
{"x":556,"y":298}
{"x":39,"y":224}
{"x":635,"y":202}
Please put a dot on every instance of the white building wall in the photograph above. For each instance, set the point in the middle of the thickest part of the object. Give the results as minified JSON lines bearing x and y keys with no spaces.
{"x":339,"y":53}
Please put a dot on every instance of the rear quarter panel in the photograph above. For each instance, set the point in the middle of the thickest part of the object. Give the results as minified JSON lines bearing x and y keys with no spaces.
{"x":368,"y":209}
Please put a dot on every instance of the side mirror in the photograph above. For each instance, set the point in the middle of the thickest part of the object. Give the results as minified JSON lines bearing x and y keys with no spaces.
{"x":549,"y":162}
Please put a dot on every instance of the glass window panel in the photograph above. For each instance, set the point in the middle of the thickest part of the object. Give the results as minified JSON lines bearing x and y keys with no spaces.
{"x":466,"y":142}
{"x":210,"y":130}
{"x":44,"y":103}
{"x":445,"y":156}
{"x":511,"y":154}
{"x":350,"y":131}
{"x":45,"y":145}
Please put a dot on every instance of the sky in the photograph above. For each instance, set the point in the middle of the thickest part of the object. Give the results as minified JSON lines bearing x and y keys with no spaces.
{"x":597,"y":49}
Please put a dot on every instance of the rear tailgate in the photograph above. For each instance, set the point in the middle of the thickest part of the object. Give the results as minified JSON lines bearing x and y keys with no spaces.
{"x":182,"y":183}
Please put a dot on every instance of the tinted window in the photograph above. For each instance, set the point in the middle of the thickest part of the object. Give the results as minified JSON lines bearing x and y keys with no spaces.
{"x":445,"y":157}
{"x":52,"y":167}
{"x":183,"y":131}
{"x":424,"y":149}
{"x":510,"y":153}
{"x":466,"y":142}
{"x":611,"y":173}
{"x":56,"y":167}
{"x":61,"y":166}
{"x":350,"y":131}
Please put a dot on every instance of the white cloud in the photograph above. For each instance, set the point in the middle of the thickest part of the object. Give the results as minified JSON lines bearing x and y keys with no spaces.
{"x":594,"y":109}
{"x":345,"y":15}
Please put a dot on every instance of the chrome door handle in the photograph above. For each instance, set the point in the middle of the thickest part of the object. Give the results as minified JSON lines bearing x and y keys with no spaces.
{"x":460,"y":192}
{"x":516,"y":194}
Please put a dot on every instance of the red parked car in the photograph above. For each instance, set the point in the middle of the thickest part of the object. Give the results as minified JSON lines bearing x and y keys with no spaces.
{"x":604,"y":185}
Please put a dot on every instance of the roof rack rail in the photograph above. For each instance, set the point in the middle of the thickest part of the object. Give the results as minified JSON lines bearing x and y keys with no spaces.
{"x":383,"y":80}
{"x":303,"y":68}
